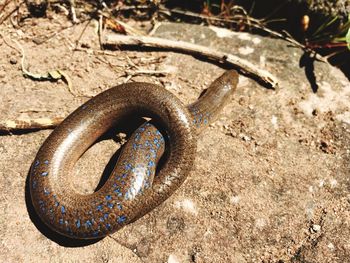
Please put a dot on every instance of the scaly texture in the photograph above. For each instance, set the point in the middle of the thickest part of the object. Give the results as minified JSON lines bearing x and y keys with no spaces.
{"x":132,"y":189}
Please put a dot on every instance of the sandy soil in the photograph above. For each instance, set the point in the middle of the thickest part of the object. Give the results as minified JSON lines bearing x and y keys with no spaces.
{"x":271,"y":178}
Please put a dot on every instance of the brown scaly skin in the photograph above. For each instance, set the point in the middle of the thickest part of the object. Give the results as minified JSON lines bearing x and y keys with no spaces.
{"x":132,"y":189}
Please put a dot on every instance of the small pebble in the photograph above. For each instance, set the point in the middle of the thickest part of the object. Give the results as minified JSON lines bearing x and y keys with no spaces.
{"x":316,"y":228}
{"x":245,"y":137}
{"x":13,"y":61}
{"x":85,"y":45}
{"x":330,"y":246}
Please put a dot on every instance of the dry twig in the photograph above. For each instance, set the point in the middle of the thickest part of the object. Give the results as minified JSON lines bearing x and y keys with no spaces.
{"x":11,"y":12}
{"x":242,"y":65}
{"x":147,"y":72}
{"x":72,"y":12}
{"x":25,"y":124}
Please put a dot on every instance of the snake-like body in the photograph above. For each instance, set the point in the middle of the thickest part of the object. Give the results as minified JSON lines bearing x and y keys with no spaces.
{"x":133,"y":189}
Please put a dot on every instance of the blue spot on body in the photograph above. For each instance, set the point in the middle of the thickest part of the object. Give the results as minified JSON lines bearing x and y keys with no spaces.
{"x":150,"y":163}
{"x":108,"y":197}
{"x":153,"y":152}
{"x":77,"y":223}
{"x":155,"y":140}
{"x":124,"y":175}
{"x":128,"y":166}
{"x":36,"y":163}
{"x":121,"y":219}
{"x":119,"y":206}
{"x":46,"y":162}
{"x":46,"y":192}
{"x":110,"y":205}
{"x":60,"y":221}
{"x":34,"y":184}
{"x":108,"y":226}
{"x":63,"y":209}
{"x":99,"y":207}
{"x":117,"y":191}
{"x":105,"y":216}
{"x":57,"y":203}
{"x":88,"y":224}
{"x":44,"y":173}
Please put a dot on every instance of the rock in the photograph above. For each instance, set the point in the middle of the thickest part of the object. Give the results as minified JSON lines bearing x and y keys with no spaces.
{"x":13,"y":61}
{"x":315,"y":228}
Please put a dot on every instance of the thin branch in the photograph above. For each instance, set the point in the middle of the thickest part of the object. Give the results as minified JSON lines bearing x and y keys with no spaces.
{"x":43,"y":38}
{"x":98,"y":52}
{"x":4,"y":5}
{"x":72,"y":11}
{"x":77,"y":42}
{"x":242,"y":65}
{"x":26,"y":124}
{"x":11,"y":12}
{"x":100,"y":30}
{"x":134,"y":73}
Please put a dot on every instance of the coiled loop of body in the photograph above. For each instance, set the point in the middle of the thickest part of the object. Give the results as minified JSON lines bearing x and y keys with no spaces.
{"x":132,"y":189}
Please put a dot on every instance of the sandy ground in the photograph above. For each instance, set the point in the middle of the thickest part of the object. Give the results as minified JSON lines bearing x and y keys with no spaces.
{"x":271,"y":178}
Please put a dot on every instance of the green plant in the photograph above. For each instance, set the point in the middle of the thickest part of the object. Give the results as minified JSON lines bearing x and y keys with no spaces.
{"x":329,"y":35}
